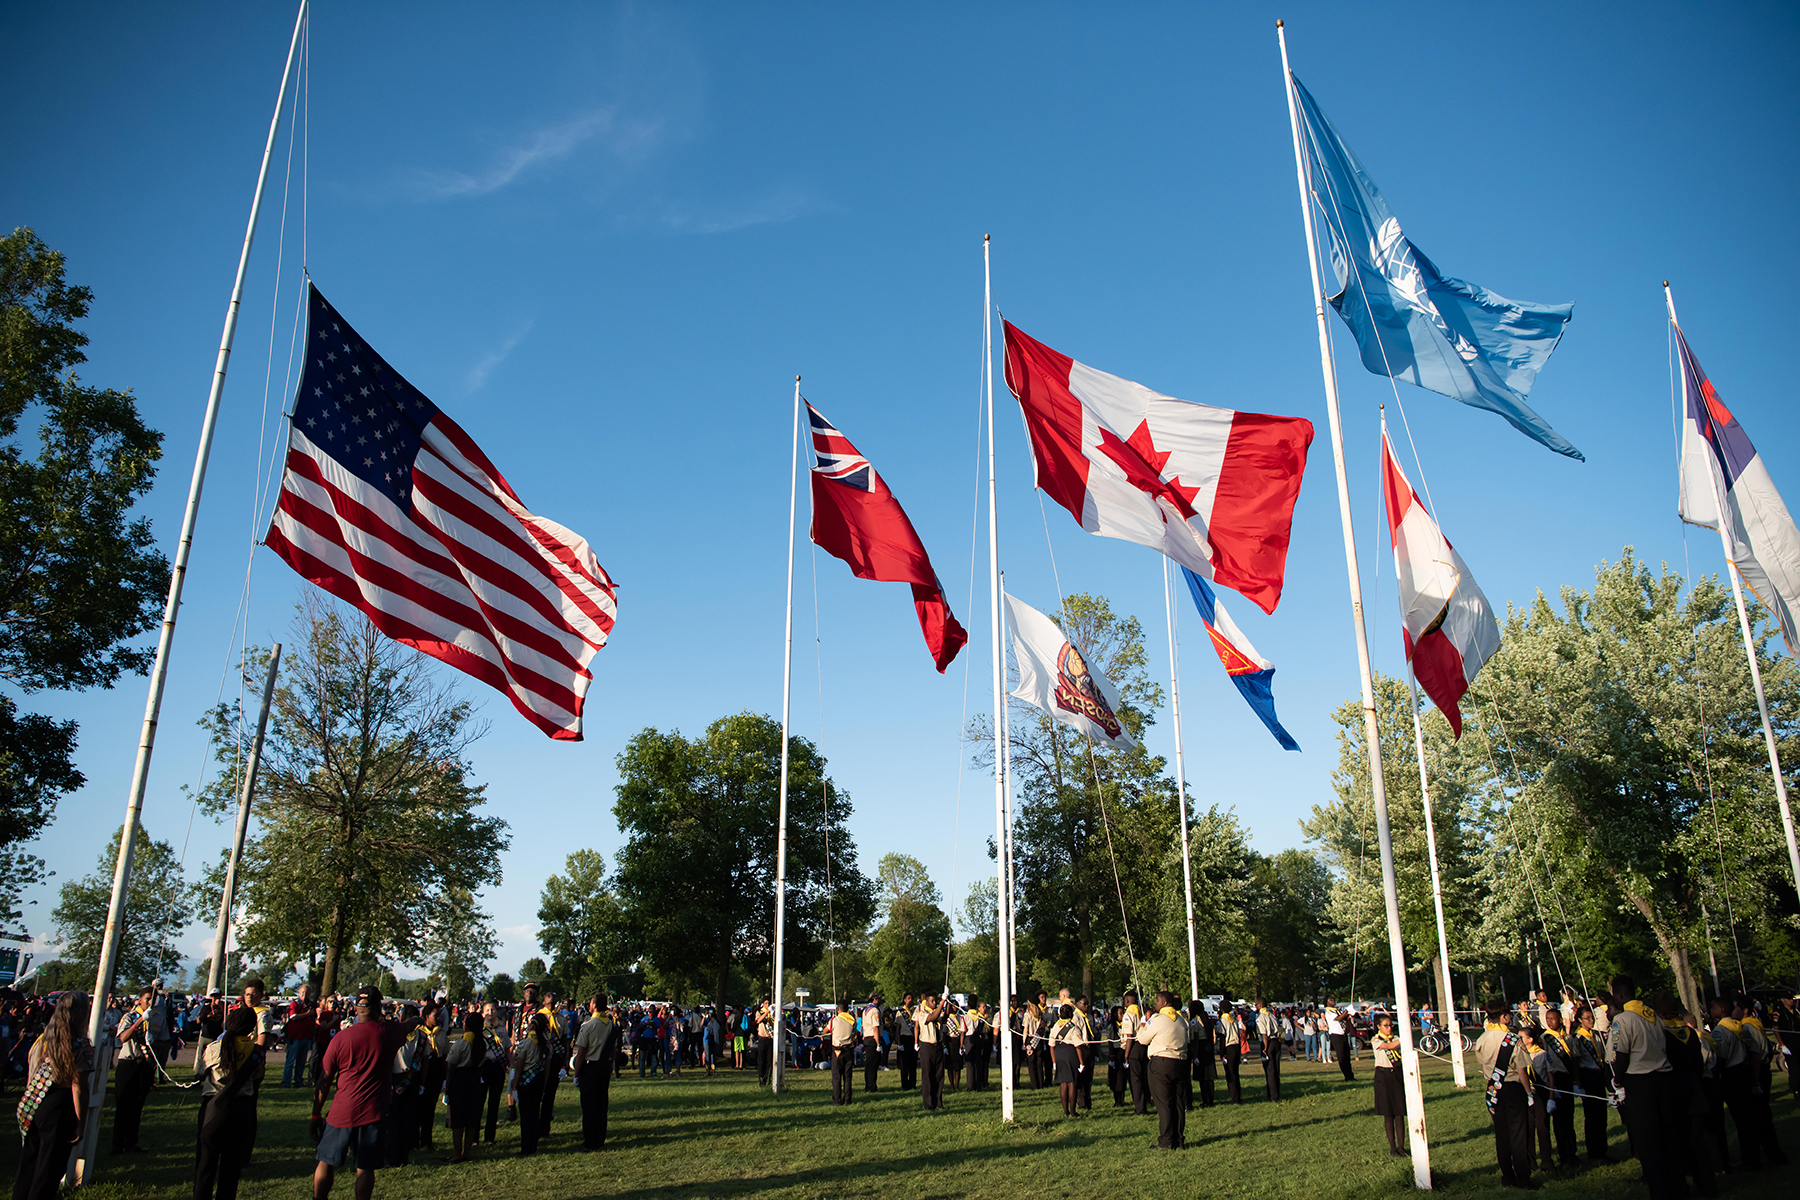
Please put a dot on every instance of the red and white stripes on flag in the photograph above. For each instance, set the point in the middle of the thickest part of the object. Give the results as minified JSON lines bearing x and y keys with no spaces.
{"x":388,"y":505}
{"x":1446,"y":621}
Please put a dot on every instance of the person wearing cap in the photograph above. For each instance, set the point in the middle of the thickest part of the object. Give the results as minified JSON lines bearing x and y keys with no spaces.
{"x":1164,"y":1039}
{"x":356,"y":1079}
{"x":596,"y":1049}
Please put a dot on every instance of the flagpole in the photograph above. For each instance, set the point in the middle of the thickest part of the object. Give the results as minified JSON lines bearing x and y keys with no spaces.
{"x":1187,"y":870}
{"x":1011,"y":944}
{"x":1737,"y":593}
{"x":1437,"y":891}
{"x":1409,"y":1058}
{"x":216,"y":979}
{"x":787,"y":691}
{"x":79,"y":1169}
{"x":1000,"y":746}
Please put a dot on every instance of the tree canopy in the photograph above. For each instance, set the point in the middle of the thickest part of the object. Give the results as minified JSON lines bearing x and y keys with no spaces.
{"x":79,"y":578}
{"x":696,"y":876}
{"x":158,"y":906}
{"x":371,"y":834}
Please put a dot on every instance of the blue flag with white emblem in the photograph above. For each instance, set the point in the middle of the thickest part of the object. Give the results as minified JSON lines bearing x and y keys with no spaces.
{"x":1411,"y":321}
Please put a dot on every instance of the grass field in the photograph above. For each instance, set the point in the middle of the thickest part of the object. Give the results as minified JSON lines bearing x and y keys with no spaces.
{"x":723,"y":1137}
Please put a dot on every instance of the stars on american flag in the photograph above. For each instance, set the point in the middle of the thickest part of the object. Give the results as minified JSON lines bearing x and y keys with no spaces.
{"x":384,"y":407}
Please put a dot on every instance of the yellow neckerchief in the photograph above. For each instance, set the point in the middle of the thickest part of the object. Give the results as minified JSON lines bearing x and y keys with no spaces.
{"x":1061,"y":1024}
{"x":1561,"y":1041}
{"x":1678,"y":1027}
{"x":235,"y":1051}
{"x":1584,"y":1031}
{"x":1132,"y":1010}
{"x":1639,"y":1008}
{"x":1500,"y":1025}
{"x":1752,"y":1020}
{"x":1168,"y":1012}
{"x":1731,"y":1023}
{"x":472,"y":1038}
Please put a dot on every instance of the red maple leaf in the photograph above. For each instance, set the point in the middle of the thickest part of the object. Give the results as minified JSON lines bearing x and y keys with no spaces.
{"x":1143,"y":465}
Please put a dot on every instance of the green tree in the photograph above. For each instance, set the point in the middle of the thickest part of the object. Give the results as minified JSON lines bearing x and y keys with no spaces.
{"x":502,"y":989}
{"x":975,"y":961}
{"x":1632,"y":768}
{"x":581,"y":924}
{"x":1287,"y":898}
{"x":1344,"y":831}
{"x":1093,"y":824}
{"x":369,"y":818}
{"x":158,"y":904}
{"x":696,"y":877}
{"x":534,"y":971}
{"x":908,"y":952}
{"x":78,"y":578}
{"x":460,"y":943}
{"x":1220,"y":855}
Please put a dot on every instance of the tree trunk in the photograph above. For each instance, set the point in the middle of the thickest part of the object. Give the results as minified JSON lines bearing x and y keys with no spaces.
{"x":1680,"y":965}
{"x":334,"y":949}
{"x":722,"y":978}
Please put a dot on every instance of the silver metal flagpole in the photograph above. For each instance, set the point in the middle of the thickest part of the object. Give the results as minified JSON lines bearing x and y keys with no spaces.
{"x":1409,"y":1056}
{"x":787,"y":689}
{"x":1737,"y":592}
{"x":1000,"y":747}
{"x":79,"y":1169}
{"x":1011,"y":944}
{"x":1187,"y":870}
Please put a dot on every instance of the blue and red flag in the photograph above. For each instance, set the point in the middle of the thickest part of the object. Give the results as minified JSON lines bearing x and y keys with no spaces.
{"x":1253,"y":674}
{"x":856,"y":518}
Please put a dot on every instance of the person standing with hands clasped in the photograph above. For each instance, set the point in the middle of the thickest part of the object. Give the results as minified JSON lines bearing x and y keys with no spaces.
{"x":596,"y":1047}
{"x":1164,"y":1038}
{"x":1640,"y":1065}
{"x":1268,"y":1033}
{"x":1390,"y":1096}
{"x":359,"y":1062}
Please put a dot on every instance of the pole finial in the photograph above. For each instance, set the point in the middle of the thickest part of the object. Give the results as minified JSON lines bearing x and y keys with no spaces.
{"x":987,"y":237}
{"x":1665,"y":283}
{"x":796,"y":379}
{"x":1278,"y":23}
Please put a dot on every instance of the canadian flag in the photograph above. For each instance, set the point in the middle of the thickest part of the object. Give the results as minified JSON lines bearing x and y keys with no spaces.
{"x":1212,"y":488}
{"x":1449,"y":628}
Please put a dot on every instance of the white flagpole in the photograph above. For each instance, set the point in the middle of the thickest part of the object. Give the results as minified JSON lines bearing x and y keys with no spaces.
{"x":1437,"y":893}
{"x":1187,"y":870}
{"x":1409,"y":1057}
{"x":787,"y":690}
{"x":1000,"y":746}
{"x":80,"y":1166}
{"x":1737,"y":592}
{"x":1005,"y":857}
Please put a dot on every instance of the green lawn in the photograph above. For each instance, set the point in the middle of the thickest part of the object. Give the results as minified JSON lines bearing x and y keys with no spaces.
{"x":724,"y":1137}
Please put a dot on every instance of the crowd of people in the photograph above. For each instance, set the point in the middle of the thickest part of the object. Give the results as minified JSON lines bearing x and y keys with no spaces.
{"x":381,"y":1069}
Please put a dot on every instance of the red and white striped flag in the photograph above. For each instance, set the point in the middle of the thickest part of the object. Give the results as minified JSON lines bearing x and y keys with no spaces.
{"x":388,"y":505}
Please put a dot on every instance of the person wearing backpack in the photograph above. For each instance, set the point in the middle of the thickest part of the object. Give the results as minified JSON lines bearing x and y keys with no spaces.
{"x":231,"y":1070}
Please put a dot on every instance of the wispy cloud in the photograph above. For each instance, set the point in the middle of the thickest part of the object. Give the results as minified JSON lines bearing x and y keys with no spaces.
{"x":774,"y":207}
{"x":625,"y":137}
{"x":484,"y":366}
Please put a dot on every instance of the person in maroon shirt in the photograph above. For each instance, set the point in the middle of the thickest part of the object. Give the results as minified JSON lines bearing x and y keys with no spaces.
{"x":359,"y":1060}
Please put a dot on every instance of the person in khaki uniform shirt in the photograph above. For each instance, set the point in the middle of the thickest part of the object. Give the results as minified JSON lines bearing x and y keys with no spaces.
{"x":843,"y":1054}
{"x":1640,"y":1064}
{"x":928,"y":1021}
{"x":1508,"y":1096}
{"x":1163,"y":1037}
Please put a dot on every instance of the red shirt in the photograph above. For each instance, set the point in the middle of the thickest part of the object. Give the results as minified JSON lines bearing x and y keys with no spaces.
{"x":363,"y":1057}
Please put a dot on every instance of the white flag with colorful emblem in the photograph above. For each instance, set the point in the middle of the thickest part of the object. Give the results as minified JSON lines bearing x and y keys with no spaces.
{"x":1054,"y":675}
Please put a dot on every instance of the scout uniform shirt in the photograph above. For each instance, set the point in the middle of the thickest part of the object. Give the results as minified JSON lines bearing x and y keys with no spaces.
{"x":926,"y":1019}
{"x":1731,"y":1046}
{"x":594,"y":1037}
{"x":843,"y":1030}
{"x":872,"y":1023}
{"x":1487,"y":1053}
{"x":1638,"y":1033}
{"x":132,"y":1032}
{"x":1165,"y":1034}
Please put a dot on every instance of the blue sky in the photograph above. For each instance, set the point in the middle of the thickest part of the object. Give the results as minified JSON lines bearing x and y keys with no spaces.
{"x":606,"y":237}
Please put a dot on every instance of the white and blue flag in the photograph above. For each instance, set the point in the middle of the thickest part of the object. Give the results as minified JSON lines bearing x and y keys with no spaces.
{"x":1411,"y":321}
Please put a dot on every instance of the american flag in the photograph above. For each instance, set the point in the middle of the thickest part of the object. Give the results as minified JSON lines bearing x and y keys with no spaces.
{"x":388,"y":505}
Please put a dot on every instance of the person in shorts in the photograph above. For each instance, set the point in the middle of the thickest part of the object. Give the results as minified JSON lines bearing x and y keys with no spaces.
{"x":359,"y":1062}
